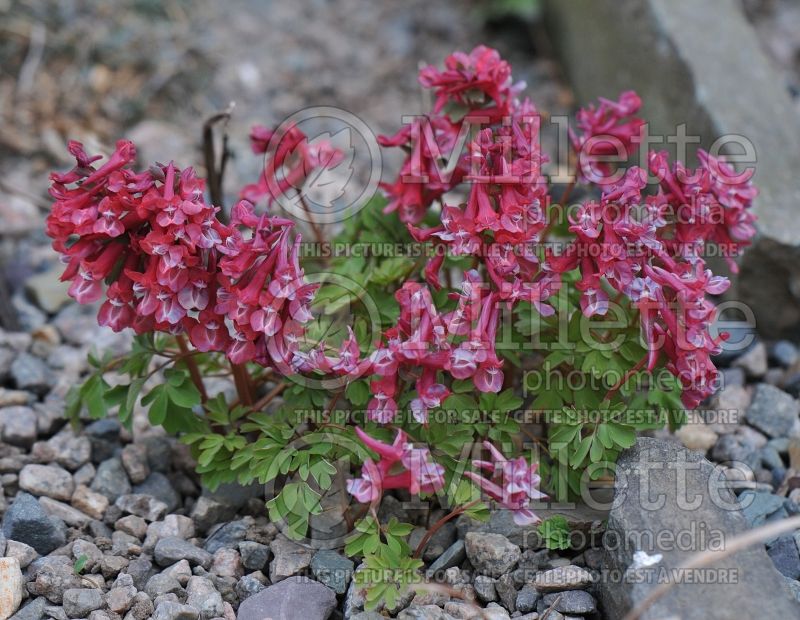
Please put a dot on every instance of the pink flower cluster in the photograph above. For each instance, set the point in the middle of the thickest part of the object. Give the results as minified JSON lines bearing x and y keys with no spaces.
{"x":650,"y":250}
{"x":513,"y":484}
{"x":171,"y":265}
{"x":710,"y":205}
{"x":475,"y":88}
{"x":606,"y":130}
{"x":400,"y":466}
{"x":289,"y":159}
{"x":625,"y":243}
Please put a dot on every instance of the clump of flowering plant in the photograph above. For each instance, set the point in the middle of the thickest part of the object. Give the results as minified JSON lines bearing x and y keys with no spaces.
{"x":505,"y":270}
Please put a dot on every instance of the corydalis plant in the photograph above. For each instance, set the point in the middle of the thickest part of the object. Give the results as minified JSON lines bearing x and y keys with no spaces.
{"x":504,"y":264}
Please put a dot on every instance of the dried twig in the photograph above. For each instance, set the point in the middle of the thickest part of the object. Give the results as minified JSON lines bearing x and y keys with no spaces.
{"x":552,"y":607}
{"x":215,"y":172}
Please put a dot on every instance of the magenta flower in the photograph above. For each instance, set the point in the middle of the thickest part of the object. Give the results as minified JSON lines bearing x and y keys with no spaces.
{"x":480,"y":81}
{"x":513,"y":484}
{"x":602,"y":130}
{"x":400,"y":466}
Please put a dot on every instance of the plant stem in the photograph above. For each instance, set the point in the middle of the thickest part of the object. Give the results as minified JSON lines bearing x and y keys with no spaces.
{"x":270,"y":396}
{"x":191,"y":365}
{"x":242,"y":381}
{"x":567,"y":192}
{"x":438,"y":525}
{"x":625,"y":377}
{"x":313,"y":223}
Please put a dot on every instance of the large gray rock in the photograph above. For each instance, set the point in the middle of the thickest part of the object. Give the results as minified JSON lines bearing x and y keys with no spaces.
{"x":332,"y":569}
{"x":111,"y":479}
{"x":295,"y":597}
{"x":662,"y":487}
{"x":227,"y":536}
{"x":48,"y":480}
{"x":687,"y":60}
{"x":18,"y":426}
{"x":203,"y":596}
{"x":452,"y":556}
{"x":170,"y":610}
{"x":159,"y":486}
{"x":26,"y":521}
{"x":32,"y":374}
{"x":32,"y":611}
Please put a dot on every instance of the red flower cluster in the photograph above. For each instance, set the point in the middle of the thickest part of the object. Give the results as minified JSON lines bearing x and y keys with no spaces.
{"x":513,"y":484}
{"x":400,"y":466}
{"x":608,"y":129}
{"x":474,"y":88}
{"x":417,"y":347}
{"x":651,"y":251}
{"x":262,"y":292}
{"x":172,"y":265}
{"x":480,"y":80}
{"x":152,"y":234}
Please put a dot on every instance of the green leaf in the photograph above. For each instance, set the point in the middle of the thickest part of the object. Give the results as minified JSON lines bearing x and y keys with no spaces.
{"x":158,"y":402}
{"x":392,"y":270}
{"x":596,"y":451}
{"x":80,"y":564}
{"x":184,"y":394}
{"x":358,"y":393}
{"x":623,"y":436}
{"x":508,"y":401}
{"x":555,"y":532}
{"x":579,"y":455}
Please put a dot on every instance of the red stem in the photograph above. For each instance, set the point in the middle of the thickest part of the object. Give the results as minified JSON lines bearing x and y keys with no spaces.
{"x":438,"y":525}
{"x":191,"y":365}
{"x":625,"y":377}
{"x":242,"y":381}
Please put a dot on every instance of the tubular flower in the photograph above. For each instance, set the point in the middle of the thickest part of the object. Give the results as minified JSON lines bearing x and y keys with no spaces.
{"x":289,"y":162}
{"x":513,"y":484}
{"x":263,"y":292}
{"x":609,"y":128}
{"x":710,"y":205}
{"x":400,"y":466}
{"x":479,"y":82}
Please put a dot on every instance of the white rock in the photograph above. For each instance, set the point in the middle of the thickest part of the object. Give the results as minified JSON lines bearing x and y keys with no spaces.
{"x":10,"y":587}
